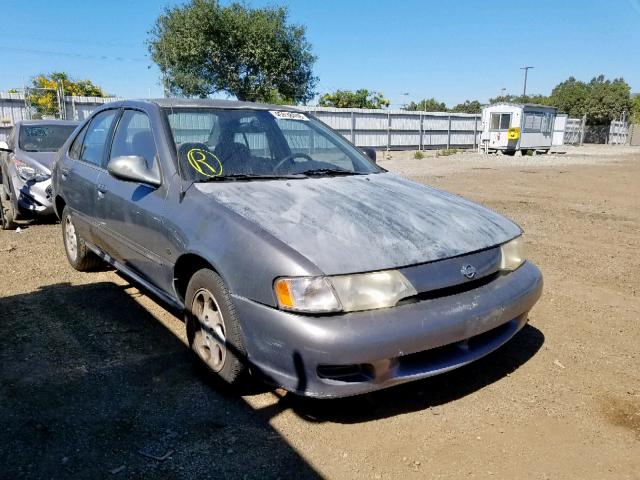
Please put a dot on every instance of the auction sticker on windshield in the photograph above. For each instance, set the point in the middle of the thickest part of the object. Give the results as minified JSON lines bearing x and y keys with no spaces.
{"x":288,"y":115}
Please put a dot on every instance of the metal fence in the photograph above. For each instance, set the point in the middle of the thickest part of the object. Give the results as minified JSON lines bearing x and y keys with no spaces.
{"x":400,"y":129}
{"x":14,"y":108}
{"x":381,"y":129}
{"x":574,"y":131}
{"x":618,"y":133}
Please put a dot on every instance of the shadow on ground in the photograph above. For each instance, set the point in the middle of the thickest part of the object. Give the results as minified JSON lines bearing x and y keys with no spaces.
{"x":427,"y":393}
{"x":90,"y":382}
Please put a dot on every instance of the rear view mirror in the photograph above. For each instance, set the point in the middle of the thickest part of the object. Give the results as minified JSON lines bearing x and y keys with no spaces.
{"x":4,"y":147}
{"x":132,"y":168}
{"x":369,"y":152}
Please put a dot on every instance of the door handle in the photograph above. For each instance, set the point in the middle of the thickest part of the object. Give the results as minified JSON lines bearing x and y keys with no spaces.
{"x":102,"y":189}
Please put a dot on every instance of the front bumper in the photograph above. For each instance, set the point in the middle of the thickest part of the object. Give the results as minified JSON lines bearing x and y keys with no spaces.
{"x":353,"y":353}
{"x":31,"y":198}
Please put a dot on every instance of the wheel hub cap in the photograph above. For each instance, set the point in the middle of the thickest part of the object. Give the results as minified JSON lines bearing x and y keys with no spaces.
{"x":209,"y":339}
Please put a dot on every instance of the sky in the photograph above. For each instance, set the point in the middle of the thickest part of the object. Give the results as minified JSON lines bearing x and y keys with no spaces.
{"x":407,"y":49}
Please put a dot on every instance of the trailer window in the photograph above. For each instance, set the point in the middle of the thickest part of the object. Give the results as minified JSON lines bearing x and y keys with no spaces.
{"x":500,"y":121}
{"x":533,"y":122}
{"x":550,"y":120}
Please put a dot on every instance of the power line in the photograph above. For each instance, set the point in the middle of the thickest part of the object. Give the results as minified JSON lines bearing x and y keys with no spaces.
{"x":75,"y":55}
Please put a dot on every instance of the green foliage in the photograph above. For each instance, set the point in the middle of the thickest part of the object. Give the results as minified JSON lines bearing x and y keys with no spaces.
{"x":202,"y":48}
{"x":277,"y":99}
{"x":469,"y":106}
{"x":635,"y":108}
{"x":607,"y":100}
{"x":601,"y":100}
{"x":427,"y":105}
{"x":537,"y":99}
{"x":361,"y":98}
{"x":571,"y":97}
{"x":446,"y":152}
{"x":418,"y":155}
{"x":43,"y":96}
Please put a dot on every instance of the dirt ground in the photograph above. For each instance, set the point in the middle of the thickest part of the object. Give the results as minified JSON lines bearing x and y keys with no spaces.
{"x":95,"y":377}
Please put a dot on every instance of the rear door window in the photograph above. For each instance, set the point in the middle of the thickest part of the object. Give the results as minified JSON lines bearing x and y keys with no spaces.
{"x":76,"y":146}
{"x":97,"y":136}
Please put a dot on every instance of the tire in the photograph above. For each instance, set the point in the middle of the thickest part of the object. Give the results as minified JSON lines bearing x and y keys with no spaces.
{"x":219,"y":346}
{"x":5,"y":186}
{"x":7,"y":217}
{"x":79,"y":256}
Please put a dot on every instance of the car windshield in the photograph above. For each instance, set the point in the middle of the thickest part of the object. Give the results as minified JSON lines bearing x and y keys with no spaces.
{"x":218,"y":144}
{"x":44,"y":138}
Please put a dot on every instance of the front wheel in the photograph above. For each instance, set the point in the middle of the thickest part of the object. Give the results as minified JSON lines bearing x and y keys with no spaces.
{"x":7,"y":217}
{"x":79,"y":256}
{"x":213,"y":328}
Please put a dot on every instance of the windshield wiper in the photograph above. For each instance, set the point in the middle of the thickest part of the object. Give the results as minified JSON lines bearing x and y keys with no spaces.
{"x":329,"y":171}
{"x":248,"y":176}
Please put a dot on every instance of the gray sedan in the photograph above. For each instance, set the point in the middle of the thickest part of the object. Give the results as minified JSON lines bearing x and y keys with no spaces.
{"x":26,"y":167}
{"x":291,"y":253}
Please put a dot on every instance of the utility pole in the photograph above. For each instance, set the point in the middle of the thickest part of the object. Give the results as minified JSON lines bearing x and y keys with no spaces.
{"x":526,"y":70}
{"x":406,"y":94}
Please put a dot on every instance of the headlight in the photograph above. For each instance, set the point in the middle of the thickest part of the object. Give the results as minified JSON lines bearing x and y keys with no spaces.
{"x":29,"y":172}
{"x":512,"y":254}
{"x":306,"y":294}
{"x":347,"y":293}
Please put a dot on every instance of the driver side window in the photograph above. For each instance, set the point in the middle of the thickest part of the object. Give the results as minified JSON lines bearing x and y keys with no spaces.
{"x":303,"y":139}
{"x":134,"y":137}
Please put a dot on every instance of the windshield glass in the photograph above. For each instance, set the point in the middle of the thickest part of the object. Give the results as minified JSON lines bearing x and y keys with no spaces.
{"x":44,"y":138}
{"x":222,"y":143}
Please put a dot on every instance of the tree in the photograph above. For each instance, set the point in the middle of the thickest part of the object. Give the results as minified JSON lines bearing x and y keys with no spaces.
{"x":361,"y":98}
{"x":601,"y":100}
{"x":635,"y":108}
{"x":570,"y":97}
{"x":202,"y":48}
{"x":469,"y":106}
{"x":607,"y":100}
{"x":427,"y":105}
{"x":537,"y":99}
{"x":45,"y":87}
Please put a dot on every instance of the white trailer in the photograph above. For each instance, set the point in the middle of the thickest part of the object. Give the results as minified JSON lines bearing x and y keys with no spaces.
{"x":508,"y":128}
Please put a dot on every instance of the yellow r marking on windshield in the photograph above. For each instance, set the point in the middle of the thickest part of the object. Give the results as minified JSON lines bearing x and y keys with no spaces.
{"x":198,"y":159}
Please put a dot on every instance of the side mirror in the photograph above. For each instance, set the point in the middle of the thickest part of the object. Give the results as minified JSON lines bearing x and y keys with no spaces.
{"x":369,"y":152}
{"x":132,"y":168}
{"x":4,"y":147}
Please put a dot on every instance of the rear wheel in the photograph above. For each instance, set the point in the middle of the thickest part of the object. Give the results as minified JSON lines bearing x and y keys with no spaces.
{"x":213,"y":328}
{"x":79,"y":256}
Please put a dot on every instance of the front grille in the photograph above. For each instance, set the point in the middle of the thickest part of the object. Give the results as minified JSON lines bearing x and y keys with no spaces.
{"x":457,"y":354}
{"x":452,"y":290}
{"x":49,"y":191}
{"x":346,"y":373}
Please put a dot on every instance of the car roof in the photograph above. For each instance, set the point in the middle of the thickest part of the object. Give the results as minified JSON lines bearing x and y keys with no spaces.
{"x":203,"y":103}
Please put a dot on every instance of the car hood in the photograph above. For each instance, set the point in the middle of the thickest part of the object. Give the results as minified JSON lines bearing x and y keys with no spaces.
{"x":364,"y":223}
{"x":42,"y":158}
